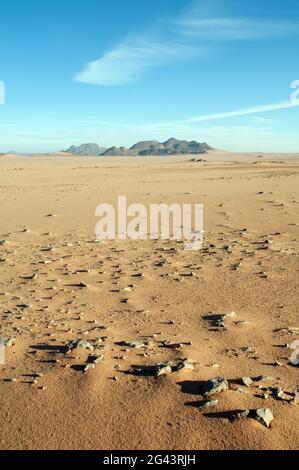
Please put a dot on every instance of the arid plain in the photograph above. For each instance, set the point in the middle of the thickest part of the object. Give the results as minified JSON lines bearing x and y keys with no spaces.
{"x":140,"y":303}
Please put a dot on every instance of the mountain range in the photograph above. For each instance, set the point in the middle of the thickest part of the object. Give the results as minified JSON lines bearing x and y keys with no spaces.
{"x":143,"y":148}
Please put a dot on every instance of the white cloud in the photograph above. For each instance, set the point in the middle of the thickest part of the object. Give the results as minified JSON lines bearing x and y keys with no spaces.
{"x":243,"y":112}
{"x":229,"y":29}
{"x":131,"y":58}
{"x":181,"y":39}
{"x":187,"y":125}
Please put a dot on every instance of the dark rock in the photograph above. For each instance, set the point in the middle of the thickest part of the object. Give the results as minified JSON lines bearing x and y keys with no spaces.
{"x":214,"y":386}
{"x":78,"y":344}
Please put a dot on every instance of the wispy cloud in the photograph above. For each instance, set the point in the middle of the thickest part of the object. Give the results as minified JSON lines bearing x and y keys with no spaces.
{"x":243,"y":112}
{"x":188,"y":124}
{"x":232,"y":29}
{"x":127,"y":61}
{"x":184,"y":38}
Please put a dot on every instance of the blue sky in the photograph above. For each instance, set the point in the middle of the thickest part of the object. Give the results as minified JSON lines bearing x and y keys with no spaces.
{"x":115,"y":72}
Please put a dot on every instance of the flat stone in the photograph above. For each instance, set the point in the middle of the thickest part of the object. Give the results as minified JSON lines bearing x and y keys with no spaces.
{"x":161,"y":369}
{"x":8,"y":342}
{"x":136,"y":344}
{"x":181,"y":365}
{"x":263,"y":378}
{"x":168,"y":344}
{"x":230,"y":315}
{"x":207,"y":404}
{"x":214,"y":386}
{"x":264,"y":416}
{"x":79,"y":344}
{"x":247,"y":381}
{"x":89,"y":366}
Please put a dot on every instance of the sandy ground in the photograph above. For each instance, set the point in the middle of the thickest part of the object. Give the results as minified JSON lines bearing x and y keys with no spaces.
{"x":143,"y":290}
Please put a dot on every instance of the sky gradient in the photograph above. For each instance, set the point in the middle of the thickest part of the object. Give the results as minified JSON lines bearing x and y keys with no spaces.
{"x":122,"y":71}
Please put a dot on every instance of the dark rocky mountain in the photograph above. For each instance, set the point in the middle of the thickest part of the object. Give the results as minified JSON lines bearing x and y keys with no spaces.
{"x":116,"y":151}
{"x":171,"y":147}
{"x":86,"y":149}
{"x":144,"y":148}
{"x":147,"y":147}
{"x":174,"y":146}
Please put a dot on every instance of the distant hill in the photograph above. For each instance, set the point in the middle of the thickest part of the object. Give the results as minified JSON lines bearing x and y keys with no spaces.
{"x":116,"y":151}
{"x":147,"y":147}
{"x":144,"y":148}
{"x":86,"y":149}
{"x":184,"y":147}
{"x":170,"y":147}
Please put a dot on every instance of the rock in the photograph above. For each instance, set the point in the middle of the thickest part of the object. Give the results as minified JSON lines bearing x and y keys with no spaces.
{"x":295,"y":400}
{"x":136,"y":344}
{"x":227,"y":248}
{"x":181,"y":365}
{"x":263,"y":415}
{"x":217,"y":320}
{"x":89,"y":366}
{"x":240,"y":415}
{"x":219,"y":323}
{"x":277,"y":392}
{"x":23,"y":306}
{"x":156,"y":370}
{"x":8,"y":342}
{"x":29,"y":278}
{"x":97,"y":359}
{"x":207,"y":404}
{"x":214,"y":366}
{"x":242,"y":322}
{"x":79,"y":344}
{"x":263,"y":378}
{"x":247,"y":381}
{"x":214,"y":386}
{"x":168,"y":344}
{"x":230,"y":315}
{"x":263,"y":275}
{"x":82,"y":285}
{"x":162,"y":368}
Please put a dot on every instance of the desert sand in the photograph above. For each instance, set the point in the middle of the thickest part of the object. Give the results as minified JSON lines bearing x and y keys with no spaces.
{"x":58,"y":284}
